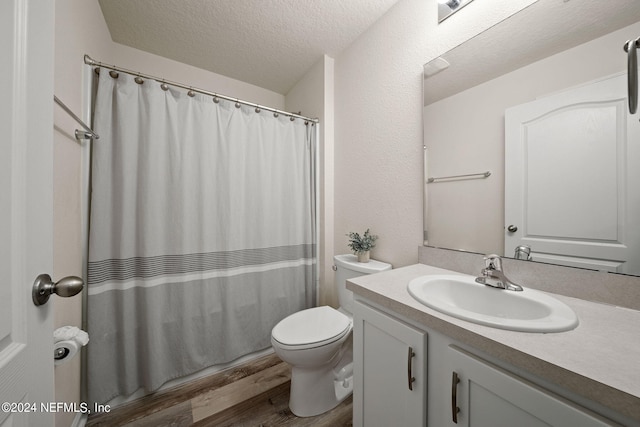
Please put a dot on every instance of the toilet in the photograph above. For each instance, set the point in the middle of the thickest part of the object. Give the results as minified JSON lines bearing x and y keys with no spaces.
{"x":317,"y":344}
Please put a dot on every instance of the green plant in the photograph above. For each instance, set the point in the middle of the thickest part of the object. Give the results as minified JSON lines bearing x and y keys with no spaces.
{"x":364,"y":243}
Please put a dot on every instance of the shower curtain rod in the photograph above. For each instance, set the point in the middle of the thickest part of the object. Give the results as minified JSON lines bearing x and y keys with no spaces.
{"x":89,"y":61}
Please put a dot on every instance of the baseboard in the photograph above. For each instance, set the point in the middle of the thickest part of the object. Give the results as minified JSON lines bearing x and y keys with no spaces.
{"x":80,"y":420}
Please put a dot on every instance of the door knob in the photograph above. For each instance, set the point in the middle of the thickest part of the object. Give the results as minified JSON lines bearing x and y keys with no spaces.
{"x":44,"y":287}
{"x":512,"y":229}
{"x":632,"y":73}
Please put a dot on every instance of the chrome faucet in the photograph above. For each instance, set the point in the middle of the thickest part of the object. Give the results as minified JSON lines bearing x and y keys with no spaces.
{"x":492,"y":274}
{"x":523,"y":252}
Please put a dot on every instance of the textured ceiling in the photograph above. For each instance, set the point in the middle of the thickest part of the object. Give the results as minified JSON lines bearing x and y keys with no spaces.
{"x":268,"y":43}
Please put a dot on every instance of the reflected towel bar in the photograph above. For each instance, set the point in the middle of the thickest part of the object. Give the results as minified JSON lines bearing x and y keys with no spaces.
{"x":87,"y":133}
{"x":471,"y":175}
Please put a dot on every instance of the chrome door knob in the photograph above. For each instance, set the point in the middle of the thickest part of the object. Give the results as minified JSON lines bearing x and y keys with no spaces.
{"x":512,"y":229}
{"x":44,"y":287}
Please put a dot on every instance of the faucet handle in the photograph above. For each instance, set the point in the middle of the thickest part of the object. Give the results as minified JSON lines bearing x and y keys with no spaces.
{"x":493,"y":262}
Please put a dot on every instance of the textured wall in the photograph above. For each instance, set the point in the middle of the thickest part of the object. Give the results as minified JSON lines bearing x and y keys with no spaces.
{"x":79,"y":29}
{"x":378,"y":124}
{"x":378,"y":130}
{"x":158,"y":66}
{"x":313,"y":96}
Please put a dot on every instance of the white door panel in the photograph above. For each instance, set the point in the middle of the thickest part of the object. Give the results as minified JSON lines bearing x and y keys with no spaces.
{"x":571,"y":185}
{"x":26,"y":122}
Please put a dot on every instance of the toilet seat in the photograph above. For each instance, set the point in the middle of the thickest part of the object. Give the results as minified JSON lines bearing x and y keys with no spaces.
{"x":311,"y":328}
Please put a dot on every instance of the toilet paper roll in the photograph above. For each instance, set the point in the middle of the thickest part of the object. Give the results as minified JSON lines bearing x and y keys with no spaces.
{"x":71,"y":333}
{"x":63,"y":351}
{"x":67,"y":340}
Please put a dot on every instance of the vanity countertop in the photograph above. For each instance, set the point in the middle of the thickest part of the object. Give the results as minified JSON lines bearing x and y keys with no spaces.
{"x":599,"y":360}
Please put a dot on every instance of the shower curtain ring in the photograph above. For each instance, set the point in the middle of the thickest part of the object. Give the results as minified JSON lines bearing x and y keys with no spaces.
{"x":237,"y":103}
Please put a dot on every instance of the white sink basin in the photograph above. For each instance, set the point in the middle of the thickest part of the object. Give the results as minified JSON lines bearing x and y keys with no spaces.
{"x":460,"y":296}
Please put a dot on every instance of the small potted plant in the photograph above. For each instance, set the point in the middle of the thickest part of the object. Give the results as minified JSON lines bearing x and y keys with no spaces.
{"x":361,"y":245}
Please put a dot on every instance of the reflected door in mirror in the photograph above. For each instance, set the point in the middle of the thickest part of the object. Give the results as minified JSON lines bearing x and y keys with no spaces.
{"x":569,"y":164}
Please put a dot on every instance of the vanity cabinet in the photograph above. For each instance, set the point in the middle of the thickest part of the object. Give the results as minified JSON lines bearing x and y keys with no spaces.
{"x":390,"y":372}
{"x":483,"y":394}
{"x":463,"y":389}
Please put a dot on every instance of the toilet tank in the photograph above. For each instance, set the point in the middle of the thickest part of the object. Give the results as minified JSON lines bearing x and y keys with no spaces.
{"x":347,"y":267}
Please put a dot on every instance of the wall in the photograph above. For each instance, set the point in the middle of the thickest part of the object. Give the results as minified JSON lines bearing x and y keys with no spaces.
{"x":313,"y":96}
{"x":453,"y":218}
{"x":157,"y":66}
{"x":378,"y":125}
{"x":378,"y":131}
{"x":80,"y":29}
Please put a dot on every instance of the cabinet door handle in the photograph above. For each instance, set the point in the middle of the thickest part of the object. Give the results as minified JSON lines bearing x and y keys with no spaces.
{"x":454,"y":397}
{"x":410,"y":377}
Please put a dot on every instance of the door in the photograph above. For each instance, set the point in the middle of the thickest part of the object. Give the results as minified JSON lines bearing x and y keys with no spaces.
{"x":572,"y":180}
{"x":26,"y":249}
{"x":390,"y":371}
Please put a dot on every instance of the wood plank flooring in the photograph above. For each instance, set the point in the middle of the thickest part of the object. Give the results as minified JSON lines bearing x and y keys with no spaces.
{"x":253,"y":394}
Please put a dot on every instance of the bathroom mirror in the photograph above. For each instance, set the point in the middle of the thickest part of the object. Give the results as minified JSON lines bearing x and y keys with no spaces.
{"x":550,"y":50}
{"x":446,"y":8}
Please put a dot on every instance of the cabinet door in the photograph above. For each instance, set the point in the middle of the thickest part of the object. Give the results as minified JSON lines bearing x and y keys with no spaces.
{"x":488,"y":396}
{"x":390,"y":371}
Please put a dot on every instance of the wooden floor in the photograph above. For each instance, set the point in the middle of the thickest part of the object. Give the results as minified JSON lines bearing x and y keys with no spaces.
{"x":253,"y":394}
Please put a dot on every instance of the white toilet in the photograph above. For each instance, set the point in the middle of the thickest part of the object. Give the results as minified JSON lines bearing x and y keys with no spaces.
{"x":317,"y":344}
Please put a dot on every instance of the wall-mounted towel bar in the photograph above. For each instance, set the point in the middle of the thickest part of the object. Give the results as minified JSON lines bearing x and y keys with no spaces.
{"x":87,"y":133}
{"x":467,"y":176}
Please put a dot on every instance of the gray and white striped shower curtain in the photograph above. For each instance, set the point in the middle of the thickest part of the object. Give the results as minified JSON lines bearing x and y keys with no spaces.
{"x":202,"y":233}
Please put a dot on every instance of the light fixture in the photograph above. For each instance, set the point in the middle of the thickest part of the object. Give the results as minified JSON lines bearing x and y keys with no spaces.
{"x":452,"y":4}
{"x":447,"y":8}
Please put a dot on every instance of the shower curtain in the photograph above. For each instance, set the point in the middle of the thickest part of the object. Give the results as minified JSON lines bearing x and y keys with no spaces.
{"x":202,"y":232}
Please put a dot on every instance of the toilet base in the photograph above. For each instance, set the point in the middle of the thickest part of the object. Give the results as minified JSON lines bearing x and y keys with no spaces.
{"x":316,"y":391}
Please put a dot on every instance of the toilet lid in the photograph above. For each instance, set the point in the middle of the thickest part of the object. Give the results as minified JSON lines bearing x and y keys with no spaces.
{"x":310,"y":326}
